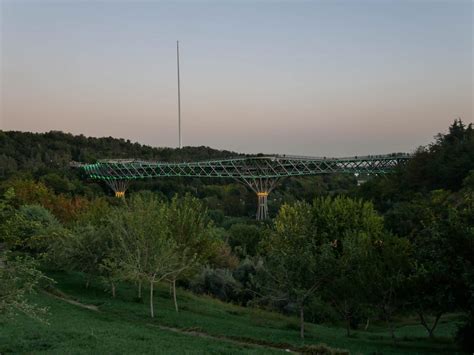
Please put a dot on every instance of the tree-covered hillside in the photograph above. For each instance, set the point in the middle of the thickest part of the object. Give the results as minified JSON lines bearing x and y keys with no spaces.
{"x":45,"y":158}
{"x":32,"y":152}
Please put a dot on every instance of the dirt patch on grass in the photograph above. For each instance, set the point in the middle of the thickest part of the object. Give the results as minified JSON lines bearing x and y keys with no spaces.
{"x":320,"y":349}
{"x":197,"y":333}
{"x":63,"y":297}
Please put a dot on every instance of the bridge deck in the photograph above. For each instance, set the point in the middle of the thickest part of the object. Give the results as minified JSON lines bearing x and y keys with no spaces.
{"x":255,"y":167}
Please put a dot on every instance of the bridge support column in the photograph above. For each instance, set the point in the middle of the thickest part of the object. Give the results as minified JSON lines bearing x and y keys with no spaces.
{"x":119,"y":187}
{"x":262,"y":187}
{"x":262,"y":209}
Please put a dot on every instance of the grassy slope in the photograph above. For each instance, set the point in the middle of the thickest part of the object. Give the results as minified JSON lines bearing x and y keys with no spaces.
{"x":124,"y":326}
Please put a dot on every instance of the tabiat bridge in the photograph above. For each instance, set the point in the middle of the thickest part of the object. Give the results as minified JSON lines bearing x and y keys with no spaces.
{"x":260,"y":173}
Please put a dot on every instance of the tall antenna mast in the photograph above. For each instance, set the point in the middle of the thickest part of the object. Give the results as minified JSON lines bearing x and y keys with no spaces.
{"x":179,"y":95}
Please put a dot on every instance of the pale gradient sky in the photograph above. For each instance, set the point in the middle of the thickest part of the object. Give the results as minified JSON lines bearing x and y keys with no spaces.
{"x":329,"y":78}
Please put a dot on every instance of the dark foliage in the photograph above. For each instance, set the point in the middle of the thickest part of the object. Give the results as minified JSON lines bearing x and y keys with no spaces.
{"x":46,"y":158}
{"x":430,"y":202}
{"x":443,"y":164}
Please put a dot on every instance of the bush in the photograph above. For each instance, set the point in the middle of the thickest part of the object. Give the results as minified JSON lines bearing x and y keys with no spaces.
{"x":230,"y":221}
{"x":245,"y":274}
{"x":319,"y":311}
{"x":244,"y":238}
{"x":217,"y":216}
{"x":217,"y":282}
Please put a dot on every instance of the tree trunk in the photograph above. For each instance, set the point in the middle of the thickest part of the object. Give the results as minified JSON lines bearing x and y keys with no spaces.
{"x":302,"y":322}
{"x":423,"y":322}
{"x":140,"y":289}
{"x":174,"y":295}
{"x":152,"y":313}
{"x":348,"y":326}
{"x":391,"y":327}
{"x":387,"y":314}
{"x":112,"y":286}
{"x":430,"y":330}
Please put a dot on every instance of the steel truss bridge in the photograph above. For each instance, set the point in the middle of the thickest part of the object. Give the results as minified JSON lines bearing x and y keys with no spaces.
{"x":260,"y":173}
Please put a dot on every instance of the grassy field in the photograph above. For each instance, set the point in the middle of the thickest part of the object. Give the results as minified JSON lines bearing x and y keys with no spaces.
{"x":203,"y":325}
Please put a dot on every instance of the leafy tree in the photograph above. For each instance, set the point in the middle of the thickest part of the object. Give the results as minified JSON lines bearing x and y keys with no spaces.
{"x":19,"y":276}
{"x":441,"y":245}
{"x":189,"y":228}
{"x":441,"y":165}
{"x":148,"y":253}
{"x":451,"y":157}
{"x":39,"y":228}
{"x":370,"y":265}
{"x":389,"y":267}
{"x":298,"y":258}
{"x":466,"y":301}
{"x":9,"y":221}
{"x":322,"y":249}
{"x":29,"y":228}
{"x":59,"y":184}
{"x":86,"y":250}
{"x":348,"y":290}
{"x":427,"y":202}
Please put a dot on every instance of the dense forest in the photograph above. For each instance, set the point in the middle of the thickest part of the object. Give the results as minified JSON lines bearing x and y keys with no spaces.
{"x":334,"y":251}
{"x":45,"y":159}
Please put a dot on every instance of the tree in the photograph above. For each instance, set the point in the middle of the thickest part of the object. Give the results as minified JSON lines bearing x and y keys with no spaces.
{"x":370,"y":264}
{"x":147,"y":251}
{"x":298,"y":258}
{"x":322,"y":248}
{"x":465,"y":331}
{"x":29,"y":228}
{"x":39,"y":229}
{"x":442,"y":243}
{"x":57,"y":183}
{"x":19,"y":276}
{"x":348,"y":290}
{"x":444,"y":164}
{"x":190,"y":229}
{"x":390,"y":262}
{"x":86,"y":250}
{"x":10,"y":221}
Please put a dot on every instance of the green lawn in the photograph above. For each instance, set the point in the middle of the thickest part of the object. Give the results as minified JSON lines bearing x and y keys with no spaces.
{"x":123,"y":326}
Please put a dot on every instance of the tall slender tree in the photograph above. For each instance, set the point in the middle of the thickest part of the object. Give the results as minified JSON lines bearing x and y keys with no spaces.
{"x":190,"y":229}
{"x":298,"y":259}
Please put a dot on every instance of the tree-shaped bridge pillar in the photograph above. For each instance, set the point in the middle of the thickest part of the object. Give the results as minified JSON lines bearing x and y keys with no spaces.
{"x":118,"y":186}
{"x":262,"y":209}
{"x":262,"y":187}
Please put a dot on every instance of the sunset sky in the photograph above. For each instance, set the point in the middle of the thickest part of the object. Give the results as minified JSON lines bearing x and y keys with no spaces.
{"x":331,"y":78}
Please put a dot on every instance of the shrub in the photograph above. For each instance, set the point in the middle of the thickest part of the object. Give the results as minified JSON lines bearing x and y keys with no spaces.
{"x":319,"y":311}
{"x":245,"y":237}
{"x":217,"y":282}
